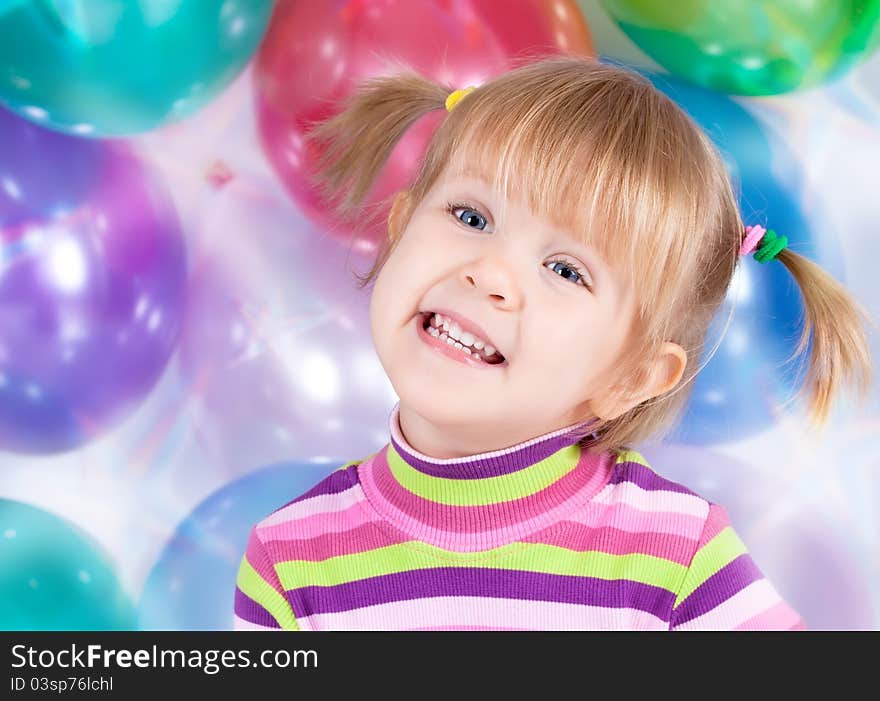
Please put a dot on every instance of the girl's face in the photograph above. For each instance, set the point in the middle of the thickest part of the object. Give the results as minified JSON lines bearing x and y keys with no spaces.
{"x":500,"y":277}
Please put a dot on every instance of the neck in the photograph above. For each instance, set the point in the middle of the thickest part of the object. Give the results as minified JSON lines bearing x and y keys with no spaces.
{"x":443,"y":442}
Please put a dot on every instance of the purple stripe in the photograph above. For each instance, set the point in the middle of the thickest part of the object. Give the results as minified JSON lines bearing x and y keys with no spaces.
{"x":478,"y":581}
{"x":486,"y":465}
{"x":334,"y":483}
{"x":718,"y":588}
{"x":646,"y":478}
{"x":251,"y":611}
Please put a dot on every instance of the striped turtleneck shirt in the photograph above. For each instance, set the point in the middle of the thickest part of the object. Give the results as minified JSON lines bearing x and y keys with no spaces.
{"x":543,"y":535}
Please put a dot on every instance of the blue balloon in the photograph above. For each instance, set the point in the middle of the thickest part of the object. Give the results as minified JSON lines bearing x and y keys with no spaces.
{"x":740,"y":389}
{"x":192,"y":585}
{"x":103,"y":68}
{"x":54,"y":577}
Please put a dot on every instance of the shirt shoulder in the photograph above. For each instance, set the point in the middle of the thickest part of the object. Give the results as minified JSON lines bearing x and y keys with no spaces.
{"x":721,"y":586}
{"x":335,"y":492}
{"x":263,"y":584}
{"x":634,"y":481}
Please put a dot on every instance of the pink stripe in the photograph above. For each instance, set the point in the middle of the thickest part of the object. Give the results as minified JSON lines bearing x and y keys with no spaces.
{"x":779,"y":617}
{"x":473,"y":518}
{"x":574,"y":536}
{"x":320,"y":524}
{"x":470,"y":542}
{"x":258,"y":559}
{"x":357,"y":540}
{"x":466,"y":628}
{"x":716,"y":521}
{"x":751,"y":601}
{"x":320,"y":504}
{"x":460,"y":613}
{"x":628,"y":518}
{"x":613,"y":541}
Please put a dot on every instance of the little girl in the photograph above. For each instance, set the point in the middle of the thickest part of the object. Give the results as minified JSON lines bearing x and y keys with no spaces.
{"x":540,"y":305}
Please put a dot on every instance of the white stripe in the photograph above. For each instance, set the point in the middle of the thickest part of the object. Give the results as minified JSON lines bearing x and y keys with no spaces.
{"x":239,"y":623}
{"x":652,"y":500}
{"x":394,"y":425}
{"x":462,"y":611}
{"x":759,"y":596}
{"x":631,"y":520}
{"x":320,"y":504}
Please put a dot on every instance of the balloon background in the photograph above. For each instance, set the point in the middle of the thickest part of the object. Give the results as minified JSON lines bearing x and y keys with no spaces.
{"x":148,"y":462}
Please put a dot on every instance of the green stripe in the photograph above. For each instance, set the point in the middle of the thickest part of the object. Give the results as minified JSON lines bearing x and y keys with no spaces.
{"x":534,"y":557}
{"x":632,"y":456}
{"x":252,"y":584}
{"x":487,"y":490}
{"x":719,"y":552}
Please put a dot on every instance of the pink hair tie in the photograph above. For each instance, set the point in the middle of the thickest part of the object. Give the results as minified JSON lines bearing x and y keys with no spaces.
{"x":754,"y":234}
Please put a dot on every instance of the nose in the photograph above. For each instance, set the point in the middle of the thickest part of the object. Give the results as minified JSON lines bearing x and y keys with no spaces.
{"x":493,"y":278}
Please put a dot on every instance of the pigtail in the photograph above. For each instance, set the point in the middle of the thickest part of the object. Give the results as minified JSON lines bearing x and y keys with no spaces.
{"x":840,"y":355}
{"x":360,"y":138}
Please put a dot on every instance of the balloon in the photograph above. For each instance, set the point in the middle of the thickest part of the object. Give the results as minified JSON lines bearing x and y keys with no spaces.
{"x":275,"y":349}
{"x":192,"y":584}
{"x":740,"y":390}
{"x":752,"y":47}
{"x":54,"y":576}
{"x":92,"y":273}
{"x":116,"y":67}
{"x":316,"y":53}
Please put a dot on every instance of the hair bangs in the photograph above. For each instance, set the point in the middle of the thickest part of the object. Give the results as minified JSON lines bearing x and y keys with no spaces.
{"x":597,"y":168}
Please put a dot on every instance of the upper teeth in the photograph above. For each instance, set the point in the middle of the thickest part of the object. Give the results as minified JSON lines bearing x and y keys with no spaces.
{"x":455,"y":332}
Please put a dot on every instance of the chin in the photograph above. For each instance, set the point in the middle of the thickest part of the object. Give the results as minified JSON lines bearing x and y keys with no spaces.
{"x":447,"y":408}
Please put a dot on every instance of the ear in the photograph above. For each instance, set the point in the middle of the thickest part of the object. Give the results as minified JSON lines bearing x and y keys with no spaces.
{"x":657,"y":376}
{"x":399,"y":214}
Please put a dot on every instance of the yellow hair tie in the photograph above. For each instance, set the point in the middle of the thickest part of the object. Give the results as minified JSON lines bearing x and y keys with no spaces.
{"x":455,"y":96}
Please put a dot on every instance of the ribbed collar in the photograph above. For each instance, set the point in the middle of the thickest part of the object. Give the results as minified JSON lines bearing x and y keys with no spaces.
{"x":485,"y":500}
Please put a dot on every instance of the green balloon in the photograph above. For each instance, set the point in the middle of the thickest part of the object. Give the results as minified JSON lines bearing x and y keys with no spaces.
{"x":119,"y":67}
{"x":54,"y":577}
{"x":752,"y":47}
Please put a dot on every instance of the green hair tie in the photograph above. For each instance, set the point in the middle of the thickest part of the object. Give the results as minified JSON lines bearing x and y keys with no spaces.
{"x":771,"y":246}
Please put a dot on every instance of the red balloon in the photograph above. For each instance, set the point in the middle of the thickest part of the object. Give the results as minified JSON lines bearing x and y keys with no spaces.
{"x":315,"y":54}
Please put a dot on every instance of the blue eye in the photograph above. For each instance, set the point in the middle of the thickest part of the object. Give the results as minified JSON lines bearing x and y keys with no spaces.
{"x":567,"y":271}
{"x":470,"y":217}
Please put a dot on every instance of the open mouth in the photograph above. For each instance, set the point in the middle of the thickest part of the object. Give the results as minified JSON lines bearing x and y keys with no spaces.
{"x":444,"y":329}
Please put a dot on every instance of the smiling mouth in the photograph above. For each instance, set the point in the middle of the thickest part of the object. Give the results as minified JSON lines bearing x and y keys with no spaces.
{"x":446,"y":330}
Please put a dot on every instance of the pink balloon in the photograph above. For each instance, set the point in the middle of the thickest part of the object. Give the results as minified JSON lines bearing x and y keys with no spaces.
{"x":316,"y":53}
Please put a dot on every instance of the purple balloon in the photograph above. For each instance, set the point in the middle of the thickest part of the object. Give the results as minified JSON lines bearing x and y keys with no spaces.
{"x":92,"y":274}
{"x":31,"y":184}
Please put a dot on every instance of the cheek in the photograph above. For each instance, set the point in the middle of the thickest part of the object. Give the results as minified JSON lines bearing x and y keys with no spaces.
{"x":398,"y":287}
{"x":411,"y":268}
{"x":573,"y":335}
{"x":382,"y":300}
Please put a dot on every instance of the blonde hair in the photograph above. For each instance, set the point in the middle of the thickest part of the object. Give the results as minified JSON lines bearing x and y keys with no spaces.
{"x":602,"y":152}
